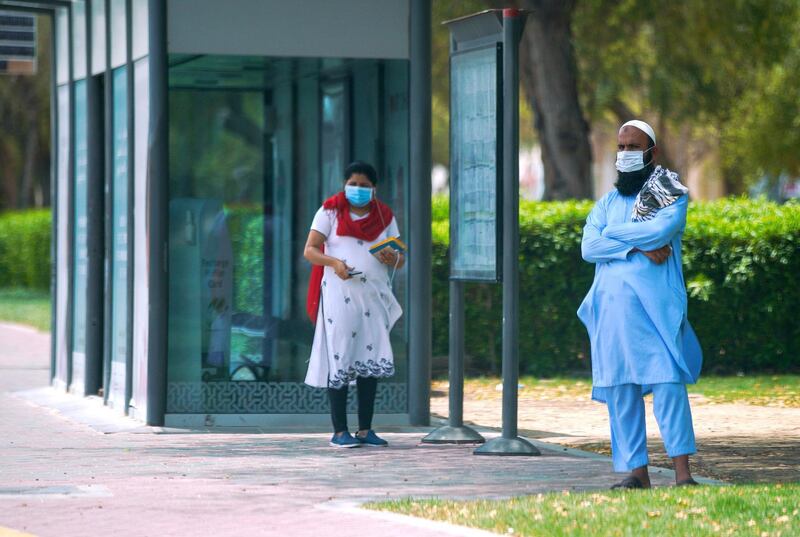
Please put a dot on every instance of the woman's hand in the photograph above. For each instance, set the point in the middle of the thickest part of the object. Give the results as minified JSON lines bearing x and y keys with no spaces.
{"x":341,"y":269}
{"x":389,"y":256}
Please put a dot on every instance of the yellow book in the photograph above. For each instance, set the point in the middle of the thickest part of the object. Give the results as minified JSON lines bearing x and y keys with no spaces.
{"x":390,"y":242}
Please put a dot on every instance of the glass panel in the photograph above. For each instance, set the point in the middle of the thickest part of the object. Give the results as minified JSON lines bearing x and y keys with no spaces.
{"x":335,"y":140}
{"x":119,"y":240}
{"x":139,"y":29}
{"x":79,"y":38}
{"x":119,"y":34}
{"x":98,"y":36}
{"x":255,"y":146}
{"x":62,"y":46}
{"x":394,"y":169}
{"x":80,"y":250}
{"x":307,"y":192}
{"x":282,"y":156}
{"x":62,"y":283}
{"x":366,"y":104}
{"x":141,"y":282}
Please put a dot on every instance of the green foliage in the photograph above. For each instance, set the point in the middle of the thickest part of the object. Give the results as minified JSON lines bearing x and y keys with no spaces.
{"x":741,"y":261}
{"x":25,"y":249}
{"x":25,"y":129}
{"x":741,"y":258}
{"x":726,"y":76}
{"x":444,"y":10}
{"x":765,"y":138}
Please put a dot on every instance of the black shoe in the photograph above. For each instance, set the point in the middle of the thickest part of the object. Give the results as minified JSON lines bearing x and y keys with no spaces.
{"x":630,"y":482}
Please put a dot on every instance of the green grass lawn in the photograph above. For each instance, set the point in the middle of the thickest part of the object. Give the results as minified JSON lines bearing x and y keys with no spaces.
{"x":765,"y":390}
{"x":25,"y":306}
{"x":757,"y":510}
{"x":773,"y":390}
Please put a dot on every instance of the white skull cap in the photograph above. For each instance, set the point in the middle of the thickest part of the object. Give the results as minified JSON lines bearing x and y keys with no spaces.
{"x":642,"y":126}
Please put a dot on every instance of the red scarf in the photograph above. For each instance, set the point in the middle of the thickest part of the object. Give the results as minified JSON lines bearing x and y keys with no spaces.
{"x":367,"y":229}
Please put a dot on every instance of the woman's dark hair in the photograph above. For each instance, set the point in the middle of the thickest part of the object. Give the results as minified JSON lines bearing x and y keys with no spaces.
{"x":362,"y":168}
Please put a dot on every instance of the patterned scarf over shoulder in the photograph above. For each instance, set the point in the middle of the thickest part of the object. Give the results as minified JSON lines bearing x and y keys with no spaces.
{"x":660,"y":190}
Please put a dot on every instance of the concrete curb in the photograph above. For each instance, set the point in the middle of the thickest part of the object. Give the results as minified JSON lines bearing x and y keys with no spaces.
{"x":445,"y":528}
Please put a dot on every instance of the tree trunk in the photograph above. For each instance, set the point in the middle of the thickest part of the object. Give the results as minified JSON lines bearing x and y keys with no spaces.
{"x":549,"y":75}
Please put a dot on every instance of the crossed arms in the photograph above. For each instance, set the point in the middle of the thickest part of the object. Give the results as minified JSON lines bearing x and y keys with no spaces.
{"x":603,"y":242}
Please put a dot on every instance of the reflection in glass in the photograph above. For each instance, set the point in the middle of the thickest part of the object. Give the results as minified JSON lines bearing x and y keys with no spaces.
{"x":119,"y":239}
{"x":63,"y":240}
{"x":256,"y":144}
{"x":80,"y":251}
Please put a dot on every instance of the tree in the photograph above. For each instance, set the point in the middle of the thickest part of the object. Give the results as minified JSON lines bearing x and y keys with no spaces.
{"x":550,"y":77}
{"x":25,"y":131}
{"x":705,"y":73}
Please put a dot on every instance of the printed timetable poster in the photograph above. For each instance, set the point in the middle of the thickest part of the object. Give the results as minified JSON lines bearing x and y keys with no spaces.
{"x":475,"y":164}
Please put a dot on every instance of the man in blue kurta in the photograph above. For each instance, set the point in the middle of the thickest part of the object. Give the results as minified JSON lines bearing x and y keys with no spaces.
{"x":635,"y":311}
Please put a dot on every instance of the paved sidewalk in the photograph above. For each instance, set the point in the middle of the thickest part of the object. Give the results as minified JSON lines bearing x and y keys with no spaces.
{"x":60,"y":477}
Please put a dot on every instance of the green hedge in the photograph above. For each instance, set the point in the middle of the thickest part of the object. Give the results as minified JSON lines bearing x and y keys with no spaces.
{"x":25,"y":249}
{"x":741,"y":263}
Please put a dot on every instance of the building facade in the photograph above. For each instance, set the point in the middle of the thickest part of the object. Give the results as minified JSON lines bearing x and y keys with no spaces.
{"x":193,"y":142}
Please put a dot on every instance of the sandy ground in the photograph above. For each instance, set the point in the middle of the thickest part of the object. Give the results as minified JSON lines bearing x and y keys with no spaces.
{"x":737,"y":443}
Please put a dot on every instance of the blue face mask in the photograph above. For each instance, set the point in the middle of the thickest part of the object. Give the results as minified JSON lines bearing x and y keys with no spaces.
{"x":358,"y":196}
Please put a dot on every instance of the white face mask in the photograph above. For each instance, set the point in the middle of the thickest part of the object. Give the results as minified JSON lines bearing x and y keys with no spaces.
{"x":630,"y":161}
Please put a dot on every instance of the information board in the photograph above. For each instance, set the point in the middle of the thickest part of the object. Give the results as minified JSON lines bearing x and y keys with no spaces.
{"x":475,"y":164}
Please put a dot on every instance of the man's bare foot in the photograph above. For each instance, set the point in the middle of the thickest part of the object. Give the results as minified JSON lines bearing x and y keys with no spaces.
{"x":683,"y":475}
{"x":642,"y":475}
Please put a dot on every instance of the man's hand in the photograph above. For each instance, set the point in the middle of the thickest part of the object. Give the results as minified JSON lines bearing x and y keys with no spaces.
{"x":659,"y":255}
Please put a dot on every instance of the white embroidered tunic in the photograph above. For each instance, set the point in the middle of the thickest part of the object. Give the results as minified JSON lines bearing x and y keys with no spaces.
{"x":355,"y":316}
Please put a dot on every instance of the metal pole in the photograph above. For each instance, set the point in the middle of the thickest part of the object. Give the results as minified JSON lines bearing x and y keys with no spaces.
{"x":54,"y":193}
{"x":95,"y":215}
{"x":509,"y":443}
{"x":419,"y":185}
{"x":108,"y":192}
{"x":158,"y":213}
{"x":70,"y":192}
{"x":455,"y":432}
{"x":455,"y":371}
{"x":131,"y":238}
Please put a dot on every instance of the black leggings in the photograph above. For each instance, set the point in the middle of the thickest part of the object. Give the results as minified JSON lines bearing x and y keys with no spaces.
{"x":367,"y":386}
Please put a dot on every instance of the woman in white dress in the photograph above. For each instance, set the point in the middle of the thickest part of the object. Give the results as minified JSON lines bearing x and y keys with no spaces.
{"x":351,"y":302}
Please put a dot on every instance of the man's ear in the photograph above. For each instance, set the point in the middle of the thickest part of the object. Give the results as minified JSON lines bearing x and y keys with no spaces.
{"x":654,"y":152}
